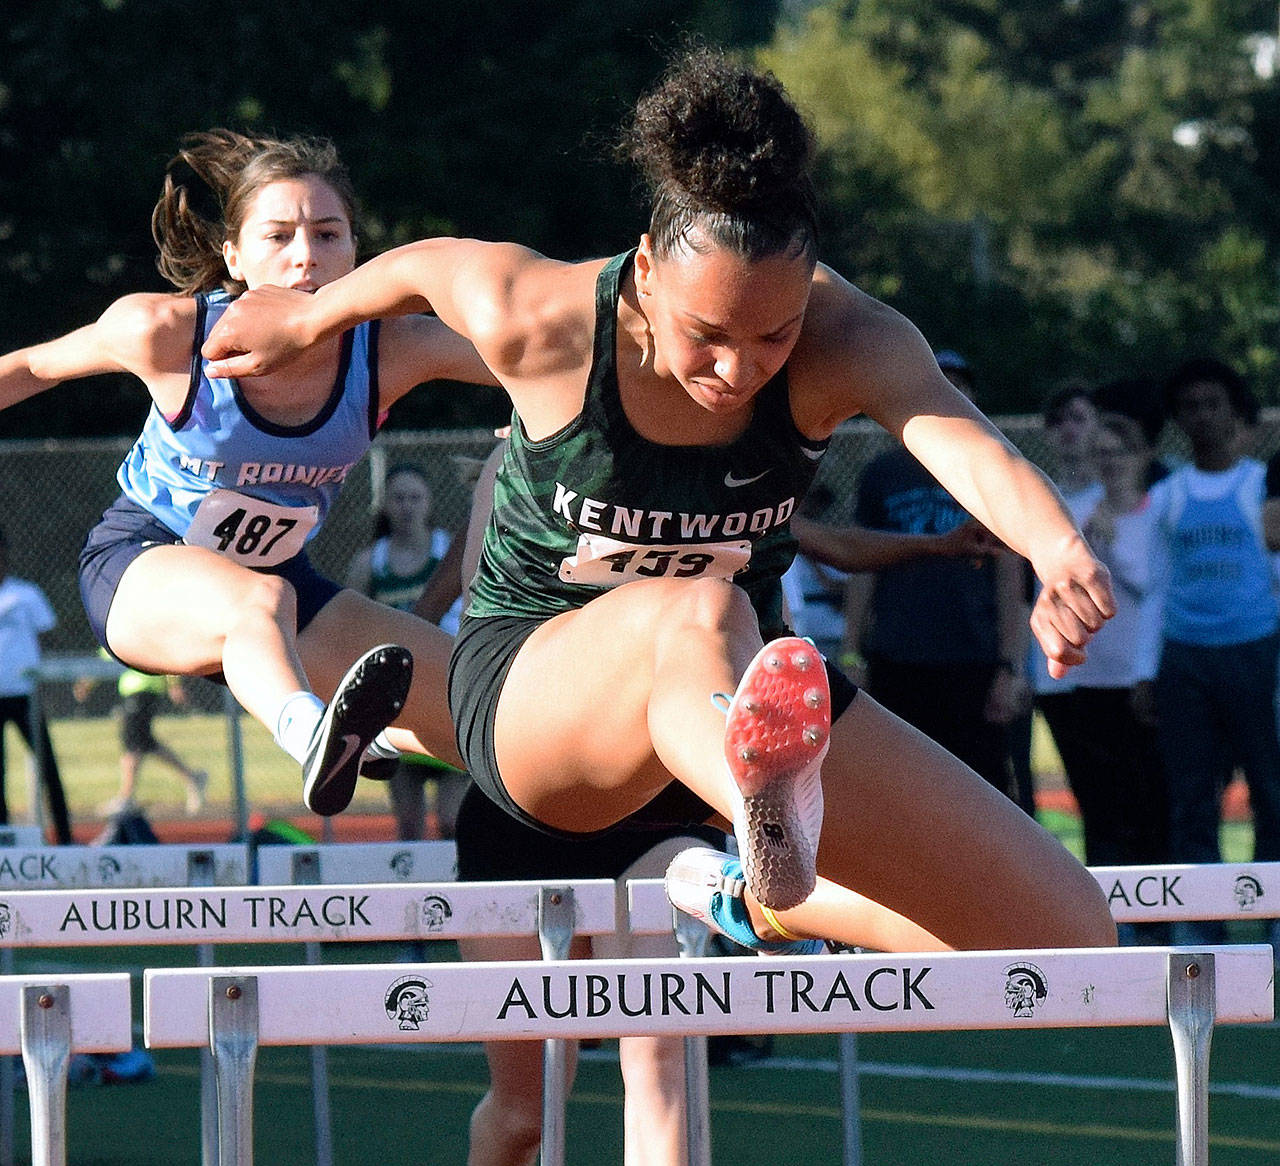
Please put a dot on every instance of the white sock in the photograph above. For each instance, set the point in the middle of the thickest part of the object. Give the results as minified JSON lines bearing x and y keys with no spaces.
{"x":382,"y":748}
{"x":296,"y":723}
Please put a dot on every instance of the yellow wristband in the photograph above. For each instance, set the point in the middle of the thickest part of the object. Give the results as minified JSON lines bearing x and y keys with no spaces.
{"x":771,"y":919}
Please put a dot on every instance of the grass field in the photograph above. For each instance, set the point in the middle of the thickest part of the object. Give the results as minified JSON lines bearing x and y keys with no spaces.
{"x":88,"y":755}
{"x":1035,"y":1098}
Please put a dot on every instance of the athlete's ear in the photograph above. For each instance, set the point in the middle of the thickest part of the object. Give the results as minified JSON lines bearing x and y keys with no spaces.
{"x":231,"y":257}
{"x":643,"y":266}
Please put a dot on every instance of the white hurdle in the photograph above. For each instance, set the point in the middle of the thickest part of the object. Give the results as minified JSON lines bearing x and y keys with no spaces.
{"x":238,"y":1010}
{"x":1135,"y":894}
{"x":46,"y":1019}
{"x":27,"y":865}
{"x":313,"y":914}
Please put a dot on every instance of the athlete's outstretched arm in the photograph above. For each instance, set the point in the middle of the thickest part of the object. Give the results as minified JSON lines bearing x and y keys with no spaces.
{"x":864,"y":548}
{"x":464,"y":281}
{"x":872,"y":360}
{"x":139,"y":334}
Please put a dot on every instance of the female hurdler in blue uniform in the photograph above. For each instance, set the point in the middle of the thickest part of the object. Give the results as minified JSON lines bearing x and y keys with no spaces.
{"x":671,"y":405}
{"x":199,"y":566}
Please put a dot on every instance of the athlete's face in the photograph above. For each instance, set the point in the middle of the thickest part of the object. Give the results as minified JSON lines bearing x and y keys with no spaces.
{"x":722,"y":325}
{"x":296,"y":233}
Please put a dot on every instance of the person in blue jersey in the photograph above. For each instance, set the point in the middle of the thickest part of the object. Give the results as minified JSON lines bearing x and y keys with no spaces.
{"x":623,"y":654}
{"x":199,"y":567}
{"x":1209,"y":633}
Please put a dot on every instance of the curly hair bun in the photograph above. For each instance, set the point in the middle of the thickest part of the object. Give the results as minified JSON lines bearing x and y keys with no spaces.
{"x":723,"y":145}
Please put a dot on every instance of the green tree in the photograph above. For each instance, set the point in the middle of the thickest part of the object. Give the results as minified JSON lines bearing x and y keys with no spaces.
{"x":1057,"y":189}
{"x":491,"y":119}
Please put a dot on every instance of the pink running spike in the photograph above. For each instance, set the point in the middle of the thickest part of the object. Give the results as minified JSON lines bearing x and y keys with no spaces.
{"x":776,"y":734}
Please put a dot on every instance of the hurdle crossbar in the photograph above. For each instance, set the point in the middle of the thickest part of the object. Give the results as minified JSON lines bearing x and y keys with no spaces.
{"x":46,"y":1019}
{"x":360,"y":862}
{"x":1136,"y":894}
{"x":34,"y":868}
{"x":1188,"y":989}
{"x":291,"y":914}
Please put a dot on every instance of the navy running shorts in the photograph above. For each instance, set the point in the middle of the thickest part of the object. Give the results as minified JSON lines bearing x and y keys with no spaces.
{"x":126,"y":530}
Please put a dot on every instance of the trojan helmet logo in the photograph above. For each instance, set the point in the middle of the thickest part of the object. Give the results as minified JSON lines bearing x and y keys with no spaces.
{"x":6,"y":919}
{"x":1024,"y":988}
{"x":407,"y":1002}
{"x":108,"y":868}
{"x":436,"y":912}
{"x":402,"y":864}
{"x":1247,"y":891}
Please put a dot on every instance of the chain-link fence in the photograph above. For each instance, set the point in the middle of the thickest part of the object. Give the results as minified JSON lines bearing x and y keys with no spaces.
{"x":52,"y":492}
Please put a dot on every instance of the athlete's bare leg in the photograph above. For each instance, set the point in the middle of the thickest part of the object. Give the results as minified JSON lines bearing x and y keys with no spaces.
{"x":186,"y":611}
{"x":617,"y":697}
{"x":350,"y":624}
{"x":506,"y":1126}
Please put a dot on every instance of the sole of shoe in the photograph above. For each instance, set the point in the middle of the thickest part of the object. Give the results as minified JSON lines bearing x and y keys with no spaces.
{"x":777,"y":731}
{"x":369,"y":698}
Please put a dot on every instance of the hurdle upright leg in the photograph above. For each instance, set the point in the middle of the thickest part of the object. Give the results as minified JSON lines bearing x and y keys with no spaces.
{"x":233,"y":1037}
{"x":694,"y":939}
{"x":8,"y":1081}
{"x":555,"y":934}
{"x":1192,"y":999}
{"x":46,"y":1053}
{"x":200,"y":873}
{"x":850,"y":1100}
{"x":306,"y":871}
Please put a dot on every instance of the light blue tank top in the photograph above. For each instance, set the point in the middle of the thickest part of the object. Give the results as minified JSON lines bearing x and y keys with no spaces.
{"x":219,"y":444}
{"x":1220,"y":582}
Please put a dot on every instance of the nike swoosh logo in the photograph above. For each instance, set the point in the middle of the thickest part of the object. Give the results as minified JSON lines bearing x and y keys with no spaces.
{"x":350,"y":745}
{"x":732,"y":482}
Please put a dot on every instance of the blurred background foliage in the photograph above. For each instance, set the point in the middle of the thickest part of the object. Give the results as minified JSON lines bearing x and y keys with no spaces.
{"x":1058,"y":188}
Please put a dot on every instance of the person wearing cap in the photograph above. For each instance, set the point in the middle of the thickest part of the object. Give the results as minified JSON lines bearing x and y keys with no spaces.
{"x":943,"y":637}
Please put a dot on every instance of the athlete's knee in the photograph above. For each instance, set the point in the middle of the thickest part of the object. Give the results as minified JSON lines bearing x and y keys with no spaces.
{"x":506,"y":1128}
{"x":269,"y":597}
{"x":1084,"y":916}
{"x":708,"y":603}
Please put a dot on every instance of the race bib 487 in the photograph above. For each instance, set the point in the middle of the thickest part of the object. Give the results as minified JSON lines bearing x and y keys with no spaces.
{"x":249,"y":530}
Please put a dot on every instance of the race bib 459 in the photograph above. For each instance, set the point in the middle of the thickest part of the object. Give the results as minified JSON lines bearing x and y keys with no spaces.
{"x":607,"y":562}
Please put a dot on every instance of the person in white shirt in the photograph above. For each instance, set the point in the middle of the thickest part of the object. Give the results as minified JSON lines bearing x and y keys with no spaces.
{"x":24,"y":615}
{"x":1110,"y":756}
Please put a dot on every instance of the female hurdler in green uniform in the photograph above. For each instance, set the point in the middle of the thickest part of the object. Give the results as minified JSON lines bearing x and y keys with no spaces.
{"x":672,"y":406}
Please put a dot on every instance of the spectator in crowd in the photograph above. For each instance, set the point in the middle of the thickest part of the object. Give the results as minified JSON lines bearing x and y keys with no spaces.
{"x":396,"y":568}
{"x":814,"y":590}
{"x":1209,"y":633}
{"x":1070,"y":427}
{"x":25,"y":615}
{"x":943,"y":637}
{"x":1111,"y":758}
{"x":141,"y":698}
{"x":1140,"y":399}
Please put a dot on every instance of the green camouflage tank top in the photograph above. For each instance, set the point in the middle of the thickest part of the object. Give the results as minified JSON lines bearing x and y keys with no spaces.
{"x":596,"y":505}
